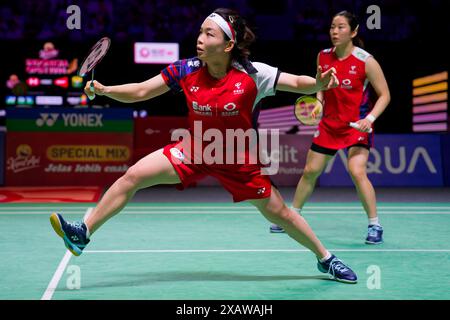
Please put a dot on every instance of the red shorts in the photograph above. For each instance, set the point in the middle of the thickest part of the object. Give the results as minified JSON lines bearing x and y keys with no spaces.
{"x":341,"y":137}
{"x":243,"y":181}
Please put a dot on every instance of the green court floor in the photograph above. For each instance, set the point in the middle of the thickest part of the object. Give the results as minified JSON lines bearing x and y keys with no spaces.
{"x":216,"y":251}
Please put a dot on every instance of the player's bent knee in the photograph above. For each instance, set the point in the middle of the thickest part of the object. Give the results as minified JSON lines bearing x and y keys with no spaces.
{"x":131,"y":178}
{"x":357,"y":174}
{"x":310,"y":172}
{"x":281,"y":214}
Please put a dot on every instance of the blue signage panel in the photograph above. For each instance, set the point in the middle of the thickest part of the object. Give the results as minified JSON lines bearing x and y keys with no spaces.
{"x":396,"y":160}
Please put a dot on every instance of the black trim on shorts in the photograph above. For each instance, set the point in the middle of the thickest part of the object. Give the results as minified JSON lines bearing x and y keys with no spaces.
{"x":273,"y":184}
{"x":323,"y":150}
{"x":365,"y":146}
{"x":332,"y":152}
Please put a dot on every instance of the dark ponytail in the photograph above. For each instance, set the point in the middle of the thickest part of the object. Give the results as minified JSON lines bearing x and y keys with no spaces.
{"x":244,"y":37}
{"x":353,"y":22}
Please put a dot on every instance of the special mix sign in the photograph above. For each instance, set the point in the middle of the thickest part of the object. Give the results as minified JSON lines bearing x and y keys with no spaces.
{"x":60,"y":146}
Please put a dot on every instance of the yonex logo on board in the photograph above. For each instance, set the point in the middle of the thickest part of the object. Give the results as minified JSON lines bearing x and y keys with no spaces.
{"x":71,"y":119}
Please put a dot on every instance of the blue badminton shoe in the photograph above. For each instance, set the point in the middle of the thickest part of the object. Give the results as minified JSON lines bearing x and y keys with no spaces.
{"x":337,"y":270}
{"x":374,"y":234}
{"x":73,"y":233}
{"x":274,"y":228}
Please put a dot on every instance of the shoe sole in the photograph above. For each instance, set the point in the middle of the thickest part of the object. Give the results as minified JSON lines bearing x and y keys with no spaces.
{"x":57,"y":226}
{"x":276,"y":229}
{"x":370,"y":242}
{"x":345,"y":281}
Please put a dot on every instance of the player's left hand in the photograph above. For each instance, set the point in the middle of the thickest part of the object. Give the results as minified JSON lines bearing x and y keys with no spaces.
{"x":317,"y":110}
{"x":326,"y":80}
{"x":364,"y":125}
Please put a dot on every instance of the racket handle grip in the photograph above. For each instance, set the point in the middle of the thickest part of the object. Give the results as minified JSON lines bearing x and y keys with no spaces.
{"x":356,"y":126}
{"x":91,"y":88}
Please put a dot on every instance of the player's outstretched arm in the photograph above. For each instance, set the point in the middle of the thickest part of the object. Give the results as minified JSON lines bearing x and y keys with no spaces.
{"x":306,"y":84}
{"x":130,"y":92}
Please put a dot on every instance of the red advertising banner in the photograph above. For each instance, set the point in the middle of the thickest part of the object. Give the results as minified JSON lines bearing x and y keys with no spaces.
{"x":153,"y":133}
{"x":66,"y":158}
{"x":293,"y":151}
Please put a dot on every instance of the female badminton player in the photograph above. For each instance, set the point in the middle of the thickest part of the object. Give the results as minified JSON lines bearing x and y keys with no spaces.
{"x":221,"y":87}
{"x":349,"y":102}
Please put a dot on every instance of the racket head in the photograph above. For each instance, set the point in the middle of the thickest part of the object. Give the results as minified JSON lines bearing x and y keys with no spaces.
{"x":303,"y":110}
{"x":95,"y":55}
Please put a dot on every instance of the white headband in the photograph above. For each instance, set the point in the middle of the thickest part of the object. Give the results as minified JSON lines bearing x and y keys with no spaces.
{"x":224,"y":25}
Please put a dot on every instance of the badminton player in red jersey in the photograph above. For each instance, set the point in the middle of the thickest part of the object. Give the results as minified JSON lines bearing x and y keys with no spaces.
{"x":349,"y":102}
{"x":222,"y":88}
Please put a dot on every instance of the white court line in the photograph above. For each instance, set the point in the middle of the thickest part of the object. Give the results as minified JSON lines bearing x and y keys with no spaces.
{"x":263,"y":250}
{"x":253,"y":212}
{"x":188,"y":207}
{"x":56,"y":277}
{"x":48,"y":294}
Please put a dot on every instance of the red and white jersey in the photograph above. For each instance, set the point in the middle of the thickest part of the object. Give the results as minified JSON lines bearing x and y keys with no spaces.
{"x":221,"y":104}
{"x":349,"y":101}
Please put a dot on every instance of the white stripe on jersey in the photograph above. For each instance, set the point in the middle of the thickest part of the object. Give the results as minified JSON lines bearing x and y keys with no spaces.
{"x":361,"y":54}
{"x":264,"y":79}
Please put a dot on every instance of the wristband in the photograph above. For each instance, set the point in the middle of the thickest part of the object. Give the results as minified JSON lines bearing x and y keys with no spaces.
{"x":371,"y":118}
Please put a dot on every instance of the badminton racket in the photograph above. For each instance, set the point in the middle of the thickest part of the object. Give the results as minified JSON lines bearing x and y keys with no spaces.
{"x":95,"y":55}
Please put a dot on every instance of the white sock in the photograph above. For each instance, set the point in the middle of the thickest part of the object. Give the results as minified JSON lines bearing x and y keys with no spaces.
{"x":374,"y":221}
{"x":88,"y":234}
{"x":328,"y":256}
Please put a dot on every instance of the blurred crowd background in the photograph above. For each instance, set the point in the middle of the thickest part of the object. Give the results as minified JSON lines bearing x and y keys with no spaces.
{"x":409,"y":44}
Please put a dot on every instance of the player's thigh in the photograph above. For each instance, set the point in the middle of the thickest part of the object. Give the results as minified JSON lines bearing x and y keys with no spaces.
{"x":357,"y":160}
{"x":273,"y":205}
{"x":316,"y":162}
{"x":151,"y":170}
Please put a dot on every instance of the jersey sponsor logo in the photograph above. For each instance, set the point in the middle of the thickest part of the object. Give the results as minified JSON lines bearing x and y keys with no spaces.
{"x":346,"y":84}
{"x":353,"y":71}
{"x":238,"y":89}
{"x":230,"y":110}
{"x":261,"y":190}
{"x":202,"y":110}
{"x":177,"y":153}
{"x":193,"y":63}
{"x":194,"y":89}
{"x":229,"y":106}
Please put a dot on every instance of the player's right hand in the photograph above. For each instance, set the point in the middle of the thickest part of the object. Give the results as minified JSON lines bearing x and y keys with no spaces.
{"x":96,"y":88}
